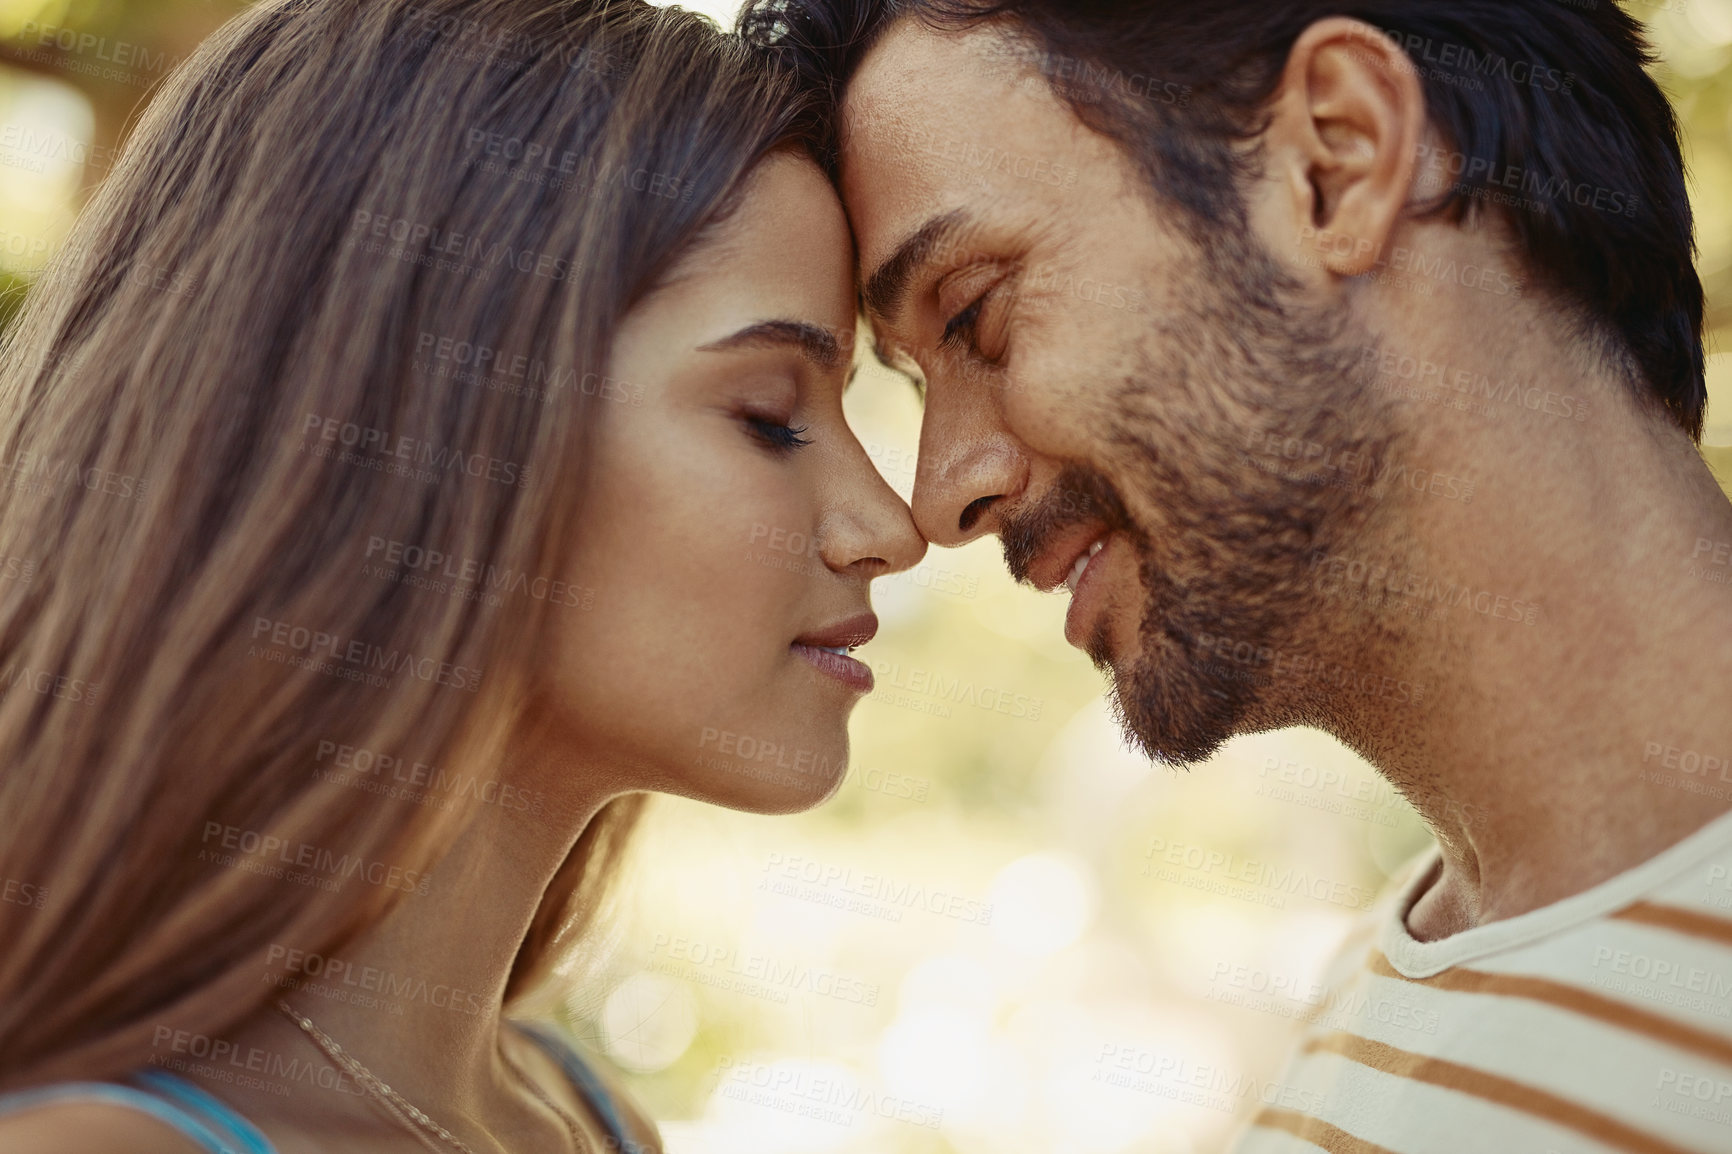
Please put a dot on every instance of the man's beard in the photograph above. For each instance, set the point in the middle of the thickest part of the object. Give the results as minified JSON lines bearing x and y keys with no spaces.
{"x":1225,"y":550}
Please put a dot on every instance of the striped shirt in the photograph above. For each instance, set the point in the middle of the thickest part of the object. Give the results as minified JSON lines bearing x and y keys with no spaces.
{"x":1599,"y":1024}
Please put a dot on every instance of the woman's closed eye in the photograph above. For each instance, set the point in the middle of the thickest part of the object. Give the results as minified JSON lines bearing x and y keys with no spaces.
{"x":776,"y":435}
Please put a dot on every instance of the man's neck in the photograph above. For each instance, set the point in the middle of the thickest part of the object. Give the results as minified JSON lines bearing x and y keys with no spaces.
{"x":1576,"y":661}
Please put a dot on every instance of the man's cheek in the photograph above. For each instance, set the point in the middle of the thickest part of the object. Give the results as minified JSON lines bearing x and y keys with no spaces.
{"x":1050,"y":398}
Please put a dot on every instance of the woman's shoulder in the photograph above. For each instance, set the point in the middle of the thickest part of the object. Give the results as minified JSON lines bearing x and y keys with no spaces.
{"x":600,"y":1088}
{"x":71,"y":1125}
{"x":640,"y":1132}
{"x":152,"y":1112}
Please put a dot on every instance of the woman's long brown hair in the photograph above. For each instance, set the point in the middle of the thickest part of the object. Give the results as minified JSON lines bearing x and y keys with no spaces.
{"x":205,"y":422}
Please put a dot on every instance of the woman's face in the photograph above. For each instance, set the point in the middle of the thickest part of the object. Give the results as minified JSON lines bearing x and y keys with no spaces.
{"x":734,"y":521}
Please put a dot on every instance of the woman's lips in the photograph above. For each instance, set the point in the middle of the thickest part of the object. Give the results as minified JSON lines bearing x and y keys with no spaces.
{"x":828,"y":648}
{"x":855,"y":674}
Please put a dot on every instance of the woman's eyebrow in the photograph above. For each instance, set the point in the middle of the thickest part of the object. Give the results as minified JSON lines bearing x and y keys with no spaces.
{"x":815,"y":342}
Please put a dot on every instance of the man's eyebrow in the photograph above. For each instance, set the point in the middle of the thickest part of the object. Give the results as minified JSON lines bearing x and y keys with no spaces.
{"x":815,"y":342}
{"x":887,"y":287}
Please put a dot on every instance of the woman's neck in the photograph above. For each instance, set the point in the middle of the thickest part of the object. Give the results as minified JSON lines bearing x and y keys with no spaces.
{"x":417,"y":1000}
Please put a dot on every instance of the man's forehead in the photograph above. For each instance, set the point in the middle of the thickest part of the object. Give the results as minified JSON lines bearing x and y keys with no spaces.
{"x":942,"y":122}
{"x":916,"y":76}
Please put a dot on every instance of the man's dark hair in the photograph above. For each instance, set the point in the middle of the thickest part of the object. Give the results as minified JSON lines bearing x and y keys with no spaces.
{"x":1551,"y":119}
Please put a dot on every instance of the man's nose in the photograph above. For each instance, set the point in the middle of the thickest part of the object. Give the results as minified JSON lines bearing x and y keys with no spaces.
{"x":969,"y":466}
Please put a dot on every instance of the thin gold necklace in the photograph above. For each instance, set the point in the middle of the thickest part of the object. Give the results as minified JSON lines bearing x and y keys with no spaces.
{"x":399,"y":1107}
{"x":404,"y":1111}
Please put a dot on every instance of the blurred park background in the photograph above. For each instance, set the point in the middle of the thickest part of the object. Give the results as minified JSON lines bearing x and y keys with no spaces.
{"x":1006,"y":934}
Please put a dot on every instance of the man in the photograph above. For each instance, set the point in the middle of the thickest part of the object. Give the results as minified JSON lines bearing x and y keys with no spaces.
{"x":1348,"y":370}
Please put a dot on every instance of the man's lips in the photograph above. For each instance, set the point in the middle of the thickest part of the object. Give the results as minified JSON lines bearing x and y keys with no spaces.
{"x":1057,"y":561}
{"x":1088,"y":595}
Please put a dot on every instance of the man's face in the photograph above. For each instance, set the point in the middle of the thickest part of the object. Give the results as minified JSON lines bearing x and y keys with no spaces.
{"x":1095,"y":379}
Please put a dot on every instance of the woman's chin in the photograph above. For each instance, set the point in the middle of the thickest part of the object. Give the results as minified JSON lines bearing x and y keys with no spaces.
{"x":769,"y":798}
{"x":797,"y":799}
{"x":769,"y":775}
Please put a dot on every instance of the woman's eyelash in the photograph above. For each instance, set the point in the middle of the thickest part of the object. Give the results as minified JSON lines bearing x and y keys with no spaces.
{"x":777,"y":435}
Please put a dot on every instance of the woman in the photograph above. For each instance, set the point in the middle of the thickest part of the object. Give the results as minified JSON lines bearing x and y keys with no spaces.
{"x":445,"y":448}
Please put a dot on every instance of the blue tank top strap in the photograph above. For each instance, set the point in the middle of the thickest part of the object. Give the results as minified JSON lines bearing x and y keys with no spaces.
{"x":164,"y":1097}
{"x":588,"y":1085}
{"x":217,"y":1128}
{"x":248,"y":1139}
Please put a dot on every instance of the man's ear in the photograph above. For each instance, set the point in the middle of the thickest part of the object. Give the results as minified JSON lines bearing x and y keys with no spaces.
{"x":1343,"y":141}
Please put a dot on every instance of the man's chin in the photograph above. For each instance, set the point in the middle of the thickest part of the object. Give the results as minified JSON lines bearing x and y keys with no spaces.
{"x":1174,"y":714}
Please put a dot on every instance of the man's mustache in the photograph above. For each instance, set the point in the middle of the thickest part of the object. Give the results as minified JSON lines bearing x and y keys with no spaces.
{"x":1079,"y":495}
